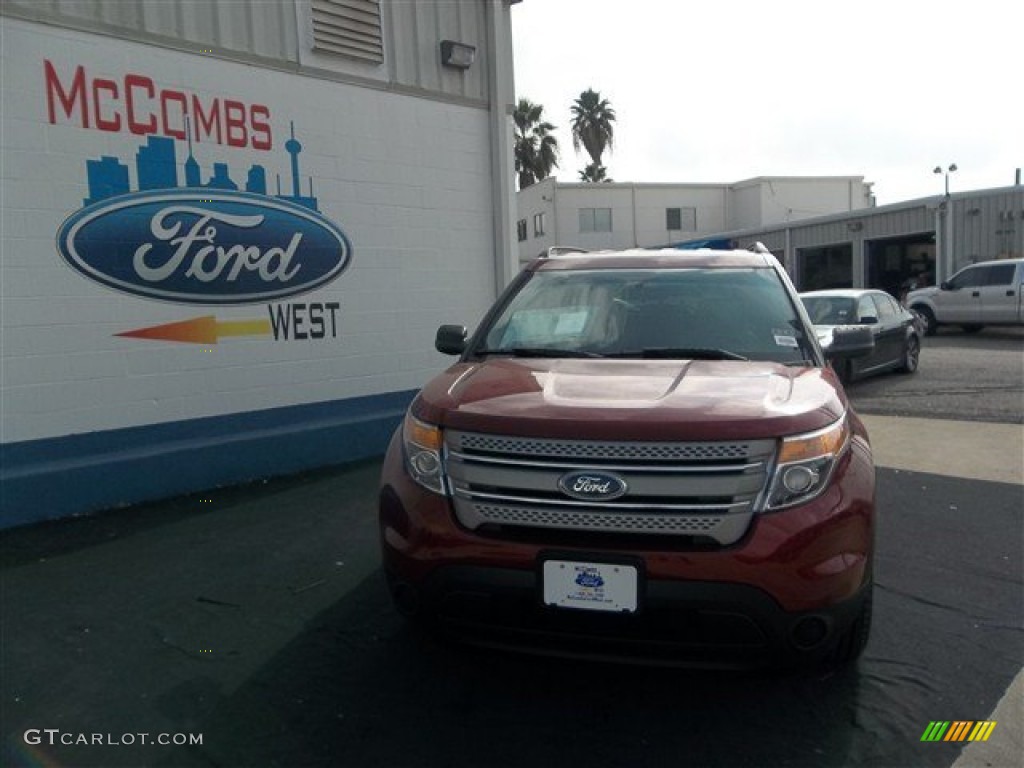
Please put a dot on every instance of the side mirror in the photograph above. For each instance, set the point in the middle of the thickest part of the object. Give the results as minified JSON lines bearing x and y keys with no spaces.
{"x":944,"y":286}
{"x":451,"y":339}
{"x":849,"y":342}
{"x":869,"y":320}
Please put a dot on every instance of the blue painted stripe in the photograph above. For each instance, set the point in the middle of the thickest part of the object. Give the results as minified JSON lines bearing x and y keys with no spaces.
{"x":76,"y":474}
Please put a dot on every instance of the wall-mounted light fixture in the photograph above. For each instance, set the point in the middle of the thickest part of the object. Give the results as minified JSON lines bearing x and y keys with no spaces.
{"x":458,"y":55}
{"x":855,"y":226}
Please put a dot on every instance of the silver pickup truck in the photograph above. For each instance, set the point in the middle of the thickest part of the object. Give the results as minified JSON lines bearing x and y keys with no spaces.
{"x":986,"y":293}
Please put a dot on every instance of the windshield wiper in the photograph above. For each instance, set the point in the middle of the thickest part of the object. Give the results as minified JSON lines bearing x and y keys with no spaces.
{"x":687,"y":353}
{"x":536,"y":352}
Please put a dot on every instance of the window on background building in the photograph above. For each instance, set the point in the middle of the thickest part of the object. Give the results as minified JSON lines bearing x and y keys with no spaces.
{"x":682,"y":219}
{"x":595,"y":219}
{"x":349,"y":28}
{"x":538,"y":224}
{"x":521,"y":229}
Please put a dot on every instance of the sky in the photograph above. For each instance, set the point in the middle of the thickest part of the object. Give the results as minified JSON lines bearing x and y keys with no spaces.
{"x":725,"y":90}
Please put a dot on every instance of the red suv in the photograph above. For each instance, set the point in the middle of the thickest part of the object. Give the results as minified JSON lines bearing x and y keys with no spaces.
{"x":639,"y":454}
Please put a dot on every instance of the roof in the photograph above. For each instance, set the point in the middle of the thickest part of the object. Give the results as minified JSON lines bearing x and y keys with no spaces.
{"x":844,"y":293}
{"x":665,"y":258}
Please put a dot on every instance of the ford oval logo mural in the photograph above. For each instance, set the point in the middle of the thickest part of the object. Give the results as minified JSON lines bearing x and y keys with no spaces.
{"x":592,"y":485}
{"x":204,"y":246}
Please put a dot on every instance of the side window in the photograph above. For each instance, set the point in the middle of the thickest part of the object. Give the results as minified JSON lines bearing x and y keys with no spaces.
{"x":866,"y":308}
{"x":886,"y":310}
{"x":538,"y":224}
{"x":999,"y":274}
{"x":595,"y":219}
{"x":968,"y":278}
{"x":681,"y":219}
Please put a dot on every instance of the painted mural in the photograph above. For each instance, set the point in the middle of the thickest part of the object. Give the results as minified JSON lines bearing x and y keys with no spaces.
{"x":189,"y":236}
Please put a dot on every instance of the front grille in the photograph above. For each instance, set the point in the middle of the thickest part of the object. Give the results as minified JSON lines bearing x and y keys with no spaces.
{"x":582,"y":449}
{"x":705,"y":489}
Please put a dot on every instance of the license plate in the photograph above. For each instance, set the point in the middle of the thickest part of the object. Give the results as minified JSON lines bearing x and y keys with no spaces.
{"x":590,"y":586}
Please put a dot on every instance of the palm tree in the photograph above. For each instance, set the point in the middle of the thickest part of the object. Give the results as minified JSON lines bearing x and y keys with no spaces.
{"x":594,"y":173}
{"x":536,"y":148}
{"x":592,"y":119}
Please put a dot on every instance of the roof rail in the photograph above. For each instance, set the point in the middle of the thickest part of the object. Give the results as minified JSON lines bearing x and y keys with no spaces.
{"x":558,"y":250}
{"x":758,"y":247}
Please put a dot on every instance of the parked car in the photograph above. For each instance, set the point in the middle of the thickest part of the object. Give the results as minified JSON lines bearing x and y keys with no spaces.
{"x":986,"y":293}
{"x":640,"y":454}
{"x":896,"y":330}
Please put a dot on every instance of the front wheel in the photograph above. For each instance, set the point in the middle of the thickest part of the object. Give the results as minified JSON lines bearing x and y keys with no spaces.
{"x":930,"y":326}
{"x":911,"y":355}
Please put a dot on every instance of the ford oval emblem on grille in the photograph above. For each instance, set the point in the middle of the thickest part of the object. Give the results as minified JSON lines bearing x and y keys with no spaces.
{"x":592,"y":485}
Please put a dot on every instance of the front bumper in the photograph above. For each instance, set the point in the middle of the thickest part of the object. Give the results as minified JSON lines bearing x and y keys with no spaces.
{"x":791,"y":586}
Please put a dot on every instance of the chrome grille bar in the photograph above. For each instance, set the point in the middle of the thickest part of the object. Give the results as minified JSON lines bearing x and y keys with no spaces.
{"x":609,"y":506}
{"x":665,"y":468}
{"x":706,"y":489}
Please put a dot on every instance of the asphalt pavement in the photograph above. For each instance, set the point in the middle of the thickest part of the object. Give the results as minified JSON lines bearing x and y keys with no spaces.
{"x":257,"y":619}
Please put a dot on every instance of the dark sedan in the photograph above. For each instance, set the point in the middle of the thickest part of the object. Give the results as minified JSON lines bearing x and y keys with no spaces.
{"x":896,"y":332}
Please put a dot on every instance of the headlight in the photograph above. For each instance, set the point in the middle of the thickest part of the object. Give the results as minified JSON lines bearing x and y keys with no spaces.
{"x":421,"y":443}
{"x":805,"y":464}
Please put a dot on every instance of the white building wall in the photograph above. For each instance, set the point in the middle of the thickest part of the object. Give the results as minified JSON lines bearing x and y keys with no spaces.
{"x":639,"y":210}
{"x":408,"y":175}
{"x":407,"y":179}
{"x":787,"y":199}
{"x":537,"y":200}
{"x":746,"y":207}
{"x":652,"y":201}
{"x":591,"y":196}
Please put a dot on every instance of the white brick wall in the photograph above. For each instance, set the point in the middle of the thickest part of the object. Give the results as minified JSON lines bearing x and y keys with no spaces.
{"x":407,"y":179}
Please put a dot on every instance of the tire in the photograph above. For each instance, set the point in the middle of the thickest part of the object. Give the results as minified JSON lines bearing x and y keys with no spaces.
{"x":930,"y":326}
{"x":844,"y":371}
{"x":853,"y":642}
{"x":972,"y":328}
{"x":911,"y":355}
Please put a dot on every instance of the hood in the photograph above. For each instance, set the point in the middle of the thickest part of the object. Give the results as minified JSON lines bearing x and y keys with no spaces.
{"x":922,"y":293}
{"x":632,"y":399}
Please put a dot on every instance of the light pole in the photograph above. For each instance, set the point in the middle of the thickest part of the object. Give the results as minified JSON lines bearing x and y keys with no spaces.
{"x":951,"y":169}
{"x":944,"y":246}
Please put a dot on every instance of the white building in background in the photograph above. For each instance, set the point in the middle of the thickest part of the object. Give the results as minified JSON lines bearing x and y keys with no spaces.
{"x":230,"y":230}
{"x":827,"y":231}
{"x":626,"y":215}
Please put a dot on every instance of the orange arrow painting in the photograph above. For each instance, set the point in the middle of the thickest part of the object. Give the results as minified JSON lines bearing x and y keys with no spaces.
{"x":200,"y":330}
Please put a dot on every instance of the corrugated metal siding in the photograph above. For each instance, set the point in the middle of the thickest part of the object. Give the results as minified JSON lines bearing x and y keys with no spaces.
{"x":419,"y":28}
{"x":988,"y":227}
{"x":857,"y":226}
{"x":906,"y":221}
{"x":263,"y":29}
{"x":821,"y":234}
{"x":404,"y":47}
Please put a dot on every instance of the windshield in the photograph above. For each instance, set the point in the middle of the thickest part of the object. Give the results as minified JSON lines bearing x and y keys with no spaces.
{"x":726,"y":314}
{"x":830,"y":310}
